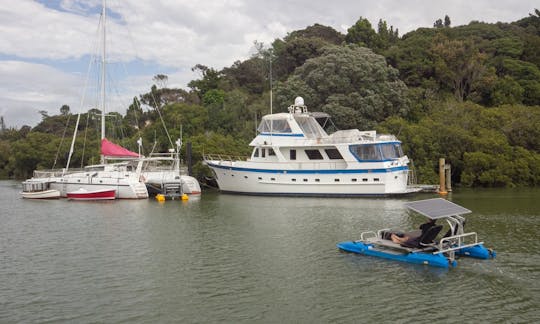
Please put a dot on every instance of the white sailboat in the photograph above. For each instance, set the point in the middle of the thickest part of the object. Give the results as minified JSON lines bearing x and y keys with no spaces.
{"x":124,"y":178}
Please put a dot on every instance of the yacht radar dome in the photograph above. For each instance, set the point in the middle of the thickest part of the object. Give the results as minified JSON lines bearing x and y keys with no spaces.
{"x":299,"y":101}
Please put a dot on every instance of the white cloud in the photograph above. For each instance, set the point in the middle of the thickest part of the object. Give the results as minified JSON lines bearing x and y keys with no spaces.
{"x":175,"y":35}
{"x":26,"y":88}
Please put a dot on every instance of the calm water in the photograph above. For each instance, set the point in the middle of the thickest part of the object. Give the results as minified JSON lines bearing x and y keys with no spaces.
{"x":232,"y":259}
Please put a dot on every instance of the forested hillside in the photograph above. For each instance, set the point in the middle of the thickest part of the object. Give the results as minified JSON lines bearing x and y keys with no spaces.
{"x":468,"y":93}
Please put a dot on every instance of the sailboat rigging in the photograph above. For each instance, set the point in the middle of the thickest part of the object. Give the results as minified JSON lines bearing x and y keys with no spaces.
{"x":122,"y":178}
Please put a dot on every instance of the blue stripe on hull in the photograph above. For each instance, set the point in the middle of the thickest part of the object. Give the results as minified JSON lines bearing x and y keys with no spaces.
{"x":385,"y":170}
{"x":321,"y":195}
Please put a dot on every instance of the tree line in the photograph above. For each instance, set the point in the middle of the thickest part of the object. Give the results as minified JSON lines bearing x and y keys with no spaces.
{"x":468,"y":93}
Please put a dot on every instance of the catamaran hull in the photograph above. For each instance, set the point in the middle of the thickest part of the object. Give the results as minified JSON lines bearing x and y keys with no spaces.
{"x":340,"y":183}
{"x":477,"y":252}
{"x":124,"y":189}
{"x":426,"y":258}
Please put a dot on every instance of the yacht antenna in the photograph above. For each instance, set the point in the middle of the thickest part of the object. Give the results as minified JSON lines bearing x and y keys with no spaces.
{"x":271,"y":105}
{"x":271,"y":82}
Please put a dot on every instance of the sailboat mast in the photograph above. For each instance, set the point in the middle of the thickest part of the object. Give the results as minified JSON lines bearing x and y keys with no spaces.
{"x":103,"y":15}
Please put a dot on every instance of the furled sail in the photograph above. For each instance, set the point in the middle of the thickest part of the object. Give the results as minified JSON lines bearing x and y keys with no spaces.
{"x":110,"y":149}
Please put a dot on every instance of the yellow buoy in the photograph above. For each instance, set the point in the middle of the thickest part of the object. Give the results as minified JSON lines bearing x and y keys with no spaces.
{"x":160,"y":197}
{"x":185,"y":197}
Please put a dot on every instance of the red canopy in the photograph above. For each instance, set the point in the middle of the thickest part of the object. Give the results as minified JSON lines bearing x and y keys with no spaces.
{"x":110,"y":149}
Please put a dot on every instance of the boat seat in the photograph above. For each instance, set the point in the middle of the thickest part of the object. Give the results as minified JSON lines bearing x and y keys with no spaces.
{"x":426,"y":239}
{"x":379,"y":242}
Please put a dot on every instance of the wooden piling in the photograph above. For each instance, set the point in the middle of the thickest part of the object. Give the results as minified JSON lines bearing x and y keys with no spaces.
{"x":442,"y":177}
{"x":448,"y":173}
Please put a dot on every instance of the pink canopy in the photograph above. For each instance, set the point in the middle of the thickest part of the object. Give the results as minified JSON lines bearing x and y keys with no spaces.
{"x":110,"y":149}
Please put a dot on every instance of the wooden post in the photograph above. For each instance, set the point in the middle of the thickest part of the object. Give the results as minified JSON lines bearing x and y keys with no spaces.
{"x":448,"y":172}
{"x":442,"y":178}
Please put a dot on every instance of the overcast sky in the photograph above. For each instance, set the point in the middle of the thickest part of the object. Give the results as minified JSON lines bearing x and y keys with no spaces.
{"x":46,"y":46}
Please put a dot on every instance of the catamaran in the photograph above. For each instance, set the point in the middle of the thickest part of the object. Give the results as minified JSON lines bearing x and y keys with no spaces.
{"x":123,"y":178}
{"x":294,"y":156}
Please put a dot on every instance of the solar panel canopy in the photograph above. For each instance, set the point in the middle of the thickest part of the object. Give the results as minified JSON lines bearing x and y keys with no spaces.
{"x":437,"y":208}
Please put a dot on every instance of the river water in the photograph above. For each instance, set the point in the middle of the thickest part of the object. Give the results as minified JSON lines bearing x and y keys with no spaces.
{"x":227,"y":258}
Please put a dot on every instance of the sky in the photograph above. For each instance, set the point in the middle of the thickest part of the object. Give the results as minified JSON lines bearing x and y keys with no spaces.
{"x":47,"y":47}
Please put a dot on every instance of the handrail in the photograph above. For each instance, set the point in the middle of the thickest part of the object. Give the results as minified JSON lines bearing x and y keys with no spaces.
{"x":224,"y":157}
{"x":449,"y":243}
{"x":363,"y":235}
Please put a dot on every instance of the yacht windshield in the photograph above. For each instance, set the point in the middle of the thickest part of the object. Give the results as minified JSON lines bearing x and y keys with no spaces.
{"x":310,"y":127}
{"x":377,"y":152}
{"x":274,"y":126}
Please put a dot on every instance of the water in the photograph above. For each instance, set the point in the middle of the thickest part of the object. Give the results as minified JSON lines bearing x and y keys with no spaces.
{"x":233,"y":259}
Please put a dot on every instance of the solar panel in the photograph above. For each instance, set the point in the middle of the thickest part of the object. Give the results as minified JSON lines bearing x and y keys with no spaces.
{"x":436,"y":208}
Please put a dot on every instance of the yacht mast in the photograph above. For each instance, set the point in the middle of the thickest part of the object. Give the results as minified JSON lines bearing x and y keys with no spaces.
{"x":103,"y":78}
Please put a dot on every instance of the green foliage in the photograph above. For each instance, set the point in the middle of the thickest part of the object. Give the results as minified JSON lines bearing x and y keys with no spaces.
{"x":362,"y":34}
{"x":299,"y":46}
{"x":35,"y":151}
{"x":351,"y":82}
{"x":250,"y":75}
{"x":64,"y":110}
{"x":458,"y":65}
{"x":486,"y":147}
{"x":210,"y":79}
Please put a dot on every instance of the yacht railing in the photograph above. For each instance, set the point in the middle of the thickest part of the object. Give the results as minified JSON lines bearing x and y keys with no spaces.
{"x":224,"y":157}
{"x":48,"y":173}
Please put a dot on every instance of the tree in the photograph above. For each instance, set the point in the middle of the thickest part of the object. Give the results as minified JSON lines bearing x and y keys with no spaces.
{"x":446,"y":21}
{"x":250,"y":74}
{"x":458,"y":65}
{"x":351,"y":83}
{"x":64,"y":110}
{"x":161,"y":80}
{"x":362,"y":34}
{"x":44,"y":114}
{"x":328,"y":34}
{"x":210,"y":79}
{"x":438,"y":23}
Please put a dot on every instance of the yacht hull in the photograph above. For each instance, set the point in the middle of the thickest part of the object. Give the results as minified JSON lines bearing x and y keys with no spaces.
{"x":323,"y":183}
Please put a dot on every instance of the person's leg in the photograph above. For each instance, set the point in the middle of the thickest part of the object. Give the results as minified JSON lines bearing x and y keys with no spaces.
{"x":397,"y":239}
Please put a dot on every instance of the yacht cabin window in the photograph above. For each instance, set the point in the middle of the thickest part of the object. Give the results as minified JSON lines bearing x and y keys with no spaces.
{"x":391,"y":151}
{"x":292,"y":154}
{"x":314,"y":155}
{"x":377,"y":152}
{"x":333,"y":154}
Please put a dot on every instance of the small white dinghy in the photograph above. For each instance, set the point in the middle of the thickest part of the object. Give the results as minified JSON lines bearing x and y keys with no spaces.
{"x":38,"y":190}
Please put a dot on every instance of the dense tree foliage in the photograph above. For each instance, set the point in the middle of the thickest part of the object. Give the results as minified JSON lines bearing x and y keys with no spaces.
{"x":349,"y":82}
{"x":468,"y":93}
